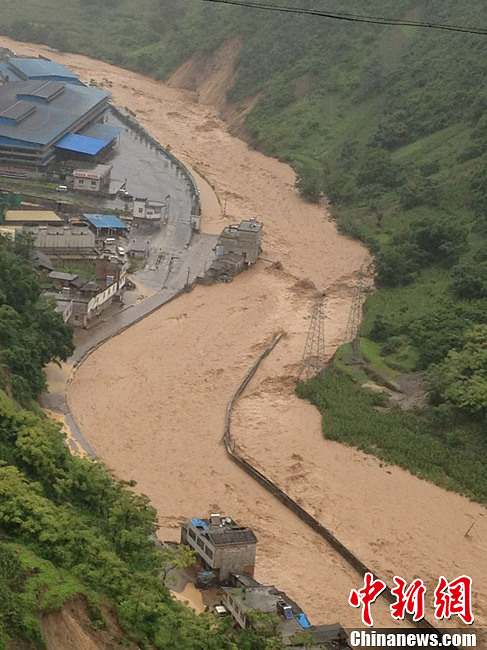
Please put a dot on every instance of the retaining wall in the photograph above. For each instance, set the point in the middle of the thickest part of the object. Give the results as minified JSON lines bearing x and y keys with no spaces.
{"x":286,"y":500}
{"x":136,"y":126}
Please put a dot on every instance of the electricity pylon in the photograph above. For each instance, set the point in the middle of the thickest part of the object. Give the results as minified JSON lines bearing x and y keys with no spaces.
{"x":353,"y":325}
{"x":313,"y":360}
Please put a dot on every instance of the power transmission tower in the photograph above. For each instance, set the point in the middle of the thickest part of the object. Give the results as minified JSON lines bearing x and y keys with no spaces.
{"x":353,"y":325}
{"x":313,"y":360}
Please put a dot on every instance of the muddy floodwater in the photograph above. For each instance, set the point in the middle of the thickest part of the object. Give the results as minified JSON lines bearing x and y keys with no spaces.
{"x":152,"y":401}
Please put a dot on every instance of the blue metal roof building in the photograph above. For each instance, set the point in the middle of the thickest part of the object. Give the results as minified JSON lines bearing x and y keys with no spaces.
{"x":8,"y":73}
{"x":40,"y":70}
{"x":36,"y":115}
{"x":81,"y":144}
{"x":106,"y":222}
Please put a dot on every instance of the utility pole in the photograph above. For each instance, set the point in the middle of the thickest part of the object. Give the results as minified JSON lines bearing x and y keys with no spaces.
{"x":313,"y":360}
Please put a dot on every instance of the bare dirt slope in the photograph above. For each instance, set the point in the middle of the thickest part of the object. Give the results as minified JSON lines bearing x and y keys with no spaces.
{"x":70,"y":629}
{"x":152,"y":401}
{"x":210,"y":76}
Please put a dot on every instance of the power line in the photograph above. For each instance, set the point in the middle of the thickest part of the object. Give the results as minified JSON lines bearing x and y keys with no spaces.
{"x":356,"y":18}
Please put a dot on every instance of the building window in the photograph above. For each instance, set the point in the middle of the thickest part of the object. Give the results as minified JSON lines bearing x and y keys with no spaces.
{"x":200,"y":543}
{"x":81,"y":181}
{"x":93,"y":183}
{"x":209,"y":552}
{"x":141,"y":210}
{"x":191,"y":534}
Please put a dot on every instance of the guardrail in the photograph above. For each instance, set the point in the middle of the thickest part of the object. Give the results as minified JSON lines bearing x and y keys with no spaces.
{"x":288,"y":501}
{"x":129,"y":120}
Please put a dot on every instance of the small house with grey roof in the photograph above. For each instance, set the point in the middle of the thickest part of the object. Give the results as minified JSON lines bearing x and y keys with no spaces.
{"x":221,"y":545}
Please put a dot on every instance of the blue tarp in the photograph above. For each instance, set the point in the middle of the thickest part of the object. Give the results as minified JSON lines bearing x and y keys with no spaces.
{"x":303,"y":620}
{"x":105,"y":221}
{"x":81,"y":144}
{"x":199,"y":523}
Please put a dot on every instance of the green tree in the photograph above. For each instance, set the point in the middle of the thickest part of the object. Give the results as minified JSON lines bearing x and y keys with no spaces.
{"x":175,"y":557}
{"x":461,"y":379}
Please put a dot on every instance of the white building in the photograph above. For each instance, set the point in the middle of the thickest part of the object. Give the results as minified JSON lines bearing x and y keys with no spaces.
{"x":94,"y":179}
{"x":145,"y":209}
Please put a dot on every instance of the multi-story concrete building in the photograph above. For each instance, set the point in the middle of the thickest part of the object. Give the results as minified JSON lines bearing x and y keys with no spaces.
{"x":244,"y":238}
{"x":221,"y":545}
{"x":247,"y":600}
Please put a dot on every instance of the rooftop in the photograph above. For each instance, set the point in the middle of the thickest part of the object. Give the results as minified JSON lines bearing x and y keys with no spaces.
{"x":40,"y":259}
{"x":63,"y":277}
{"x":54,"y":109}
{"x":265,"y":599}
{"x":97,"y":170}
{"x":248,"y":225}
{"x":8,"y":73}
{"x":81,"y":144}
{"x":225,"y":532}
{"x":35,"y":68}
{"x":106,"y":221}
{"x":33,"y":216}
{"x":104,"y":132}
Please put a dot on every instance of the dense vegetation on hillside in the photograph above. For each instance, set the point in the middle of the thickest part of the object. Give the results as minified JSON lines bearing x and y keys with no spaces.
{"x":388,"y":122}
{"x":32,"y":334}
{"x":68,"y":529}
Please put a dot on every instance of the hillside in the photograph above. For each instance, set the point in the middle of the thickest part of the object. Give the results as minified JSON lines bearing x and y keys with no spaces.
{"x":389,"y":124}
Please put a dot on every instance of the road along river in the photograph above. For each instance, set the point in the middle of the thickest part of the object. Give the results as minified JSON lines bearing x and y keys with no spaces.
{"x":152,"y":400}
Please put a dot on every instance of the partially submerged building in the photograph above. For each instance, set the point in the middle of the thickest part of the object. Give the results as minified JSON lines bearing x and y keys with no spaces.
{"x":221,"y":545}
{"x":255,"y":605}
{"x":244,"y":239}
{"x":238,"y":247}
{"x":246,"y":604}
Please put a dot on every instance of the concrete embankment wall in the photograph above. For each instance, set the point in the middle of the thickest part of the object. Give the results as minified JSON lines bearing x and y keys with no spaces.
{"x":129,"y":120}
{"x":284,"y":498}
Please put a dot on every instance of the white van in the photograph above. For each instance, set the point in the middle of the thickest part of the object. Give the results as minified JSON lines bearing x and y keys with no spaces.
{"x":62,"y":188}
